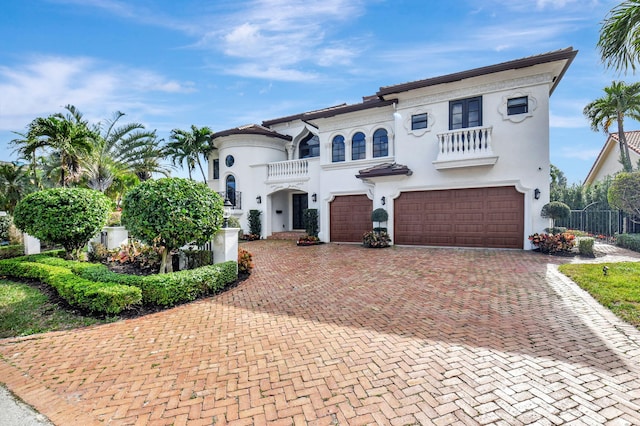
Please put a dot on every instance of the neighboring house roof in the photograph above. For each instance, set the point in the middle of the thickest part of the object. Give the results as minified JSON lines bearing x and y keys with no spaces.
{"x":633,"y":141}
{"x":385,"y":169}
{"x":251,"y":129}
{"x":564,"y":54}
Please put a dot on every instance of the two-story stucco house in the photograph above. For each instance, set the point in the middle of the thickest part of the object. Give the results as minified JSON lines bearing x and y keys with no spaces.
{"x":456,"y":160}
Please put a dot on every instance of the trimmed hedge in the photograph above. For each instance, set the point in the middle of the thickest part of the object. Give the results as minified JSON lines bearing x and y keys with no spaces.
{"x":629,"y":241}
{"x":110,"y":298}
{"x":161,"y":289}
{"x":13,"y":250}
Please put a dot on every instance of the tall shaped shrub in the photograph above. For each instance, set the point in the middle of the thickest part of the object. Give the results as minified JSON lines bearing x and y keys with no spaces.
{"x":255,"y":226}
{"x":66,"y":216}
{"x":311,"y":222}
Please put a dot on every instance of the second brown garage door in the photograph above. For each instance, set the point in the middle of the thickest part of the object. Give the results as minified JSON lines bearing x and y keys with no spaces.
{"x":350,"y":218}
{"x":474,"y":217}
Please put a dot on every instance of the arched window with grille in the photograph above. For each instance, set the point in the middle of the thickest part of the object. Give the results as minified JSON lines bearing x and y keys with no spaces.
{"x":337,"y":149}
{"x":380,"y":143}
{"x":358,"y":146}
{"x":230,"y":189}
{"x":309,"y":146}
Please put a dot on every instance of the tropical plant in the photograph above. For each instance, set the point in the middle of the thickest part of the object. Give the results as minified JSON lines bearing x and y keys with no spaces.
{"x":188,"y":146}
{"x":620,"y":101}
{"x":172,"y":212}
{"x":624,"y":194}
{"x":619,"y":43}
{"x":66,"y":216}
{"x":373,"y":239}
{"x":255,"y":226}
{"x":310,"y":217}
{"x":14,"y":184}
{"x":555,"y":210}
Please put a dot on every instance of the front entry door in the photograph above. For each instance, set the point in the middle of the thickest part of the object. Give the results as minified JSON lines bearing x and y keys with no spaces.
{"x":300,"y":204}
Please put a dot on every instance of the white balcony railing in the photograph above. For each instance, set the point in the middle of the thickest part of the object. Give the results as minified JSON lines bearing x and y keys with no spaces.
{"x":465,"y":148}
{"x":292,"y":169}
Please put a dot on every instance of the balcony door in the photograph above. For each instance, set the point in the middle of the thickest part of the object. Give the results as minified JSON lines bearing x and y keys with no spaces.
{"x":300,"y":204}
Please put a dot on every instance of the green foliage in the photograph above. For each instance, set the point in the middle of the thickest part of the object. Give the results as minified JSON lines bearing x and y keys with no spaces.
{"x":77,"y":291}
{"x":553,"y":243}
{"x":557,"y":230}
{"x":577,"y":197}
{"x":585,"y":246}
{"x":555,"y":210}
{"x":197,"y":258}
{"x":245,"y":261}
{"x":66,"y":216}
{"x":629,"y":241}
{"x":5,"y":224}
{"x":619,"y":290}
{"x":255,"y":226}
{"x":379,"y":215}
{"x":624,"y":193}
{"x":310,"y":217}
{"x":374,"y":239}
{"x":172,"y":212}
{"x":14,"y":250}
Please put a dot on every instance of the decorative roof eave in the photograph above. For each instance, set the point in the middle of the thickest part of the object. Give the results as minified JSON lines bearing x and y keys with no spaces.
{"x":559,"y":55}
{"x":383,"y":170}
{"x":252,"y":129}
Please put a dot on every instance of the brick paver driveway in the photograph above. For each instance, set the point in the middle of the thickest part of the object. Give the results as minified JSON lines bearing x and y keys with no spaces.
{"x":338,"y":334}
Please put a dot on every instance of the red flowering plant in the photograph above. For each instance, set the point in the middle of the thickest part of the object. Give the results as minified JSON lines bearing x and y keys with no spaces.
{"x":553,"y":243}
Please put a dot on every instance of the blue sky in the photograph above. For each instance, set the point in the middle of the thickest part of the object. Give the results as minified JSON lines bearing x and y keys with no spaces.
{"x":170,"y":64}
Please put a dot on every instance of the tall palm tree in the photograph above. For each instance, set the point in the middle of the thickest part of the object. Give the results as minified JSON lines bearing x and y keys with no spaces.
{"x":620,"y":101}
{"x":150,"y":162}
{"x":14,"y":184}
{"x":68,"y":136}
{"x":188,"y":146}
{"x":27,"y":147}
{"x":619,"y":41}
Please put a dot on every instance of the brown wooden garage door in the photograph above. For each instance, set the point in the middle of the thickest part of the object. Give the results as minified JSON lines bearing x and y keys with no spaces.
{"x":350,"y":218}
{"x":474,"y":217}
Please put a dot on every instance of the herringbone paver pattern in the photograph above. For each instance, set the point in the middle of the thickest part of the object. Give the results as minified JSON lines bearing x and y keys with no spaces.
{"x":341,"y":335}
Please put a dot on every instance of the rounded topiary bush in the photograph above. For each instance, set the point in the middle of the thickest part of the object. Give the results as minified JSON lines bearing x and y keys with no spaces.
{"x":555,"y":210}
{"x":66,"y":216}
{"x":379,"y":215}
{"x":172,"y":212}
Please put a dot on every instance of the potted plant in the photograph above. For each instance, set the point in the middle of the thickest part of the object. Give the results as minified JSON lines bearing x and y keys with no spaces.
{"x":376,"y":239}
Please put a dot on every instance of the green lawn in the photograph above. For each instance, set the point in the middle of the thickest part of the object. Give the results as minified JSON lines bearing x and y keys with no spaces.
{"x":25,"y":310}
{"x":619,"y":290}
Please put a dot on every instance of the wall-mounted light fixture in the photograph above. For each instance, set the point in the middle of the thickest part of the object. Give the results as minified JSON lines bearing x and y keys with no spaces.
{"x":314,"y":197}
{"x":259,"y":199}
{"x":383,"y":201}
{"x":536,"y":194}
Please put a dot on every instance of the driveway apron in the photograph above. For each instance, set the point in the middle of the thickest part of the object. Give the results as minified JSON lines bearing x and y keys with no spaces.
{"x":343,"y":335}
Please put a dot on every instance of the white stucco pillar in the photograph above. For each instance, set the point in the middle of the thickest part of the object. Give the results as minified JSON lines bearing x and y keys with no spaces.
{"x":31,"y":244}
{"x":225,"y":245}
{"x":116,"y":236}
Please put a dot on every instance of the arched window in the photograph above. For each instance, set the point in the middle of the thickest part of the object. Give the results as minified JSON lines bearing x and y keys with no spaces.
{"x":309,"y":146}
{"x":380,"y":143}
{"x":337,"y":149}
{"x":358,"y":147}
{"x":230,"y":191}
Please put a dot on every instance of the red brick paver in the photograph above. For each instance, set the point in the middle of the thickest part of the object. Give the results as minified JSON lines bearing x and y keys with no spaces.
{"x":342,"y":335}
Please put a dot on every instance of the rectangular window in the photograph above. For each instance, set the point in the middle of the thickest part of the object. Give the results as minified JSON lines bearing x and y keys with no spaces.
{"x":518,"y":105}
{"x":419,"y":121}
{"x":465,"y":113}
{"x":216,"y":169}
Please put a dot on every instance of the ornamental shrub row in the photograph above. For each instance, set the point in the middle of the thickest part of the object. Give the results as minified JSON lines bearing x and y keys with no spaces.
{"x":13,"y":250}
{"x":94,"y":296}
{"x":162,"y":289}
{"x":629,"y":241}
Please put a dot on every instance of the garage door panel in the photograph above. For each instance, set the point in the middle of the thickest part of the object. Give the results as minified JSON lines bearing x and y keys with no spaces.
{"x":350,"y":217}
{"x":473,"y":217}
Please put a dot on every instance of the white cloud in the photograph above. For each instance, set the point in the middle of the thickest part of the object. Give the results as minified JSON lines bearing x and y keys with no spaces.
{"x":579,"y":153}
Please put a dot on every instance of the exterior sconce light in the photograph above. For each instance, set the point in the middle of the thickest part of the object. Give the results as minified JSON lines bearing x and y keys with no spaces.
{"x":226,"y":213}
{"x":314,"y":197}
{"x":536,"y":194}
{"x":383,"y":200}
{"x":259,"y":199}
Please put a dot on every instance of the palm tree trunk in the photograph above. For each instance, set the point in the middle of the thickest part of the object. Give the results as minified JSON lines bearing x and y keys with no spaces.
{"x":204,"y":176}
{"x":624,"y":147}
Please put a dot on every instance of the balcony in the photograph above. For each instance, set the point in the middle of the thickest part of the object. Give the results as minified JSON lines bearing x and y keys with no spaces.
{"x":288,"y":170}
{"x":235,"y":197}
{"x":465,"y":148}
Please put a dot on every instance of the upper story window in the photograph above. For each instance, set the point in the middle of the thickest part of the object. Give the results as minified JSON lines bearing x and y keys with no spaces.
{"x":216,"y":169}
{"x":381,"y":143}
{"x":337,"y":149}
{"x":465,"y":113}
{"x":230,"y":190}
{"x":419,"y":121}
{"x":358,"y":147}
{"x":309,"y":146}
{"x":229,"y":160}
{"x":518,"y":105}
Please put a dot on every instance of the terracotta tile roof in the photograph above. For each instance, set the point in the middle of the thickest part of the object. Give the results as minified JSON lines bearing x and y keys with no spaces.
{"x":633,"y":139}
{"x":384,"y":169}
{"x":251,"y":129}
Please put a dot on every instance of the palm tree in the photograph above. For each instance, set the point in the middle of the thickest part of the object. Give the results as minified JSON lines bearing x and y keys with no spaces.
{"x":68,"y":136}
{"x":27,"y":150}
{"x":620,"y":101}
{"x":188,"y":146}
{"x":150,"y":162}
{"x":14,"y":184}
{"x":619,"y":43}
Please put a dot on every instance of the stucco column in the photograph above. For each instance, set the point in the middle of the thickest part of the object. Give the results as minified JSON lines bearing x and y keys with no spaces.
{"x":225,"y":245}
{"x":31,"y":244}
